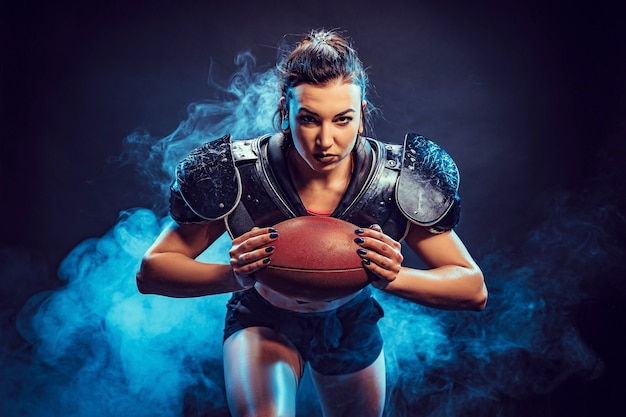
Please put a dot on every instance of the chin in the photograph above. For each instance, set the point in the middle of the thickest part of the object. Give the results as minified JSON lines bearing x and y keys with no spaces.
{"x":323,"y":168}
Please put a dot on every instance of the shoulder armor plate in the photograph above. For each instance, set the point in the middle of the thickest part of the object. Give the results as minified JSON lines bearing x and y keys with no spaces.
{"x":428,"y":183}
{"x":208,"y":180}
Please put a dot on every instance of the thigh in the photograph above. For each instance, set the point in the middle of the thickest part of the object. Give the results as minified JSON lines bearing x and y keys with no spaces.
{"x":360,"y":393}
{"x":262,"y":370}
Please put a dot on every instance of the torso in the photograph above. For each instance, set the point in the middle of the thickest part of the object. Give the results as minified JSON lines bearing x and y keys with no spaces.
{"x":320,"y":197}
{"x":315,"y":197}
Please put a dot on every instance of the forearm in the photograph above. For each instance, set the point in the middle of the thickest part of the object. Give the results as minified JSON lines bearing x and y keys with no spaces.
{"x":448,"y":287}
{"x":176,"y":275}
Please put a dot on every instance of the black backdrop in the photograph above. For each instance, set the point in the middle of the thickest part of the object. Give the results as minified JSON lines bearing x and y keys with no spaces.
{"x":527,"y":97}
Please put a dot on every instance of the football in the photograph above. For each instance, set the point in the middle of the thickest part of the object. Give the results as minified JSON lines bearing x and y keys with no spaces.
{"x":315,"y":260}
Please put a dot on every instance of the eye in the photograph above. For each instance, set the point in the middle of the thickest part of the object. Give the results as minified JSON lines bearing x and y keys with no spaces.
{"x":344,"y":120}
{"x":306,"y":119}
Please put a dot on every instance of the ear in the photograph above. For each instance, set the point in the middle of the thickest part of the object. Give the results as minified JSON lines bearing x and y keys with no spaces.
{"x":363,"y":104}
{"x":284,"y":116}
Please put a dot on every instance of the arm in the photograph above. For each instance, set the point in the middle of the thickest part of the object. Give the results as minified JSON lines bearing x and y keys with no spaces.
{"x":169,"y":266}
{"x":454,"y":281}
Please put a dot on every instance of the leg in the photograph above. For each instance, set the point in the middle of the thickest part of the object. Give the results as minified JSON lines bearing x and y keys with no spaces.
{"x":262,"y":371}
{"x":360,"y":393}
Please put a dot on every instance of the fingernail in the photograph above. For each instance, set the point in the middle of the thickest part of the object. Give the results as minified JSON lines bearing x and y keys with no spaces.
{"x":358,"y":240}
{"x":273,"y":235}
{"x":266,"y":260}
{"x":272,"y":230}
{"x":269,"y":249}
{"x":359,"y":231}
{"x":361,"y":251}
{"x":366,"y":261}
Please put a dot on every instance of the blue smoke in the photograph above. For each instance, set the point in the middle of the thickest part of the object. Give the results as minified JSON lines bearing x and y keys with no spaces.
{"x":526,"y":342}
{"x":98,"y":347}
{"x":244,"y":109}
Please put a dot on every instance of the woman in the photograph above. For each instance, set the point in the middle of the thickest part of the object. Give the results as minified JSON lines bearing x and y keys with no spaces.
{"x":319,"y":164}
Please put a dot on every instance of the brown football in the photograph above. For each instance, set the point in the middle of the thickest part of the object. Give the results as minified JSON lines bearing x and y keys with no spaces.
{"x":315,"y":259}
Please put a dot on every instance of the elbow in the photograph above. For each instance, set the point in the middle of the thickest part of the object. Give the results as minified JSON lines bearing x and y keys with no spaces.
{"x":142,"y":277}
{"x":141,"y":284}
{"x":481,"y":294}
{"x":480,"y":301}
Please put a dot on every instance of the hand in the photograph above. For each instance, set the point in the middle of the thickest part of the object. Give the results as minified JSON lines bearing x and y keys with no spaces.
{"x":381,"y":255}
{"x":250,"y":252}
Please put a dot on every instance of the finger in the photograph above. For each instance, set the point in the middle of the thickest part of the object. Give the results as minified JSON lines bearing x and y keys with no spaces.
{"x":392,"y":265}
{"x":382,"y":260}
{"x":249,"y":263}
{"x":254,"y":241}
{"x":255,"y":232}
{"x":391,"y":249}
{"x":374,"y":232}
{"x":239,"y":259}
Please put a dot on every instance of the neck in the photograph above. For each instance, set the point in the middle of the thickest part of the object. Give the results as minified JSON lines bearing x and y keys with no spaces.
{"x":320,"y":192}
{"x":304,"y":176}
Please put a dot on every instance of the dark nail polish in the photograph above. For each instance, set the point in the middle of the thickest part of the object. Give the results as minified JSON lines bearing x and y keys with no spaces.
{"x":359,"y":240}
{"x":272,"y":230}
{"x":266,"y":260}
{"x":269,"y":249}
{"x":361,"y":251}
{"x":366,"y":262}
{"x":273,"y":235}
{"x":359,"y":231}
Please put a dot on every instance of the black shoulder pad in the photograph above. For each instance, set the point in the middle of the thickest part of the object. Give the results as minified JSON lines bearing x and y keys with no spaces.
{"x":429,"y":182}
{"x":208,"y":181}
{"x":179,"y":210}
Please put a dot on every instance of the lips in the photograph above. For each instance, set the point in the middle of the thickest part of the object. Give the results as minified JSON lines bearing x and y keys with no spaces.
{"x":325,"y":158}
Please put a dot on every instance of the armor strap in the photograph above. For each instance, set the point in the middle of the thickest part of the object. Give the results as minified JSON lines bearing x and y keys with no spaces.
{"x":265,"y":200}
{"x":375,"y":202}
{"x":428,"y":185}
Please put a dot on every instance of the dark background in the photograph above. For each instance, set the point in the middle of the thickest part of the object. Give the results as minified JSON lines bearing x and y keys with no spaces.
{"x":528,"y":97}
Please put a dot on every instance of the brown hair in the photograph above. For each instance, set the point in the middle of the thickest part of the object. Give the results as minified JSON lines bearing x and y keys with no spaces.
{"x":322,"y":56}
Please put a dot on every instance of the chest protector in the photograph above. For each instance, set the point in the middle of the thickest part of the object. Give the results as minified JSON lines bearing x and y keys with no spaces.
{"x":247,"y":183}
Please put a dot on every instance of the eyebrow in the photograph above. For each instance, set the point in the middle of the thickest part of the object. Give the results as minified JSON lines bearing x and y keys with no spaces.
{"x":343,"y":113}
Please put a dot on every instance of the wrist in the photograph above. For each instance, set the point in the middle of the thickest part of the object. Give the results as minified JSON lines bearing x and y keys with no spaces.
{"x":381,"y":283}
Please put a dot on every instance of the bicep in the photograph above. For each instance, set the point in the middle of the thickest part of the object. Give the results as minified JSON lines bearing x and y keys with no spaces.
{"x":188,"y":239}
{"x":438,"y":250}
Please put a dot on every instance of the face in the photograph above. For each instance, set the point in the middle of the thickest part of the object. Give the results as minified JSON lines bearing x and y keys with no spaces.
{"x":324,"y":122}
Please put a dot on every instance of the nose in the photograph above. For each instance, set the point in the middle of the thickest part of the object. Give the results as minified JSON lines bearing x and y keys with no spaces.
{"x":325,"y":137}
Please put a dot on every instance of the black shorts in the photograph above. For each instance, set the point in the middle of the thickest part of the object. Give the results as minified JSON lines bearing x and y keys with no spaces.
{"x":334,"y":342}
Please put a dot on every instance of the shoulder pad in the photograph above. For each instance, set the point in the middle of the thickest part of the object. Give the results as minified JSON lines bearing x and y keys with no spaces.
{"x":208,"y":181}
{"x":429,"y":181}
{"x":179,"y":210}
